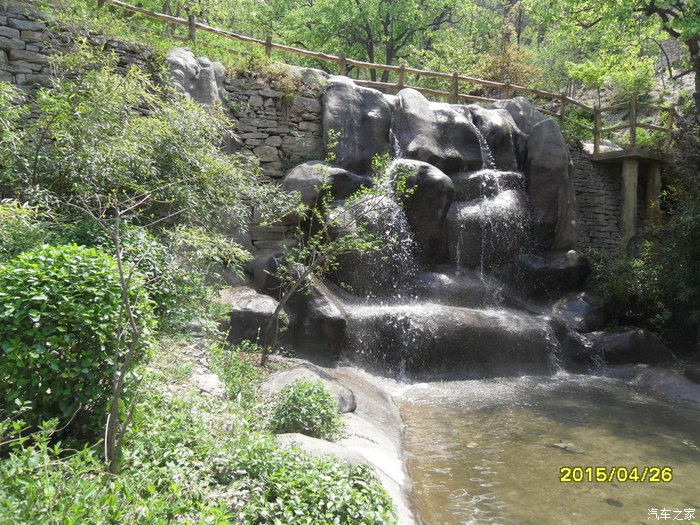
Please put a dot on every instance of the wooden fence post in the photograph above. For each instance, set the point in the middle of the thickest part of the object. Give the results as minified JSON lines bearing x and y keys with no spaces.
{"x":633,"y":122}
{"x":562,"y":109}
{"x":268,"y":46}
{"x":455,"y":88}
{"x":596,"y":129}
{"x":402,"y":71}
{"x":343,"y":64}
{"x":506,"y":89}
{"x":669,"y":129}
{"x":192,"y":27}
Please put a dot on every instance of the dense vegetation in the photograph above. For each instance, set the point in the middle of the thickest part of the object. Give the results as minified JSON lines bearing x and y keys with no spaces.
{"x":117,"y":207}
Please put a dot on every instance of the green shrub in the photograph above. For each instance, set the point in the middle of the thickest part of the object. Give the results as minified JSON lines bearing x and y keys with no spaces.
{"x":21,"y":230}
{"x":307,"y":407}
{"x":59,"y":313}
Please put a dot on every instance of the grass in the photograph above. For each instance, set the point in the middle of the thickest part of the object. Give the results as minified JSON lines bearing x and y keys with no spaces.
{"x":188,"y":458}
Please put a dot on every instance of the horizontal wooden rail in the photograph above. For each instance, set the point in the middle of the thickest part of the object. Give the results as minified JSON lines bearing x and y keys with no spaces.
{"x":505,"y":89}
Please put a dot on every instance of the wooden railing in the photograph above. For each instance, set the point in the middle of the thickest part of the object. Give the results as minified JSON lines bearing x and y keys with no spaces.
{"x":560,"y":102}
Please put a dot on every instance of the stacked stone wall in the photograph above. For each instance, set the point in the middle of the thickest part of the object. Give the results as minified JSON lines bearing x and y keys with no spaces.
{"x":281,"y":129}
{"x":598,"y":189}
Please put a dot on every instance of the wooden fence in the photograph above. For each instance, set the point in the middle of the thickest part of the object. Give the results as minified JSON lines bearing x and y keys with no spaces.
{"x":504,"y":89}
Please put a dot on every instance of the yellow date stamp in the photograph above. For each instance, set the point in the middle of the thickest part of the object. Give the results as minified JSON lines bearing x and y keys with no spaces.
{"x":604,"y":474}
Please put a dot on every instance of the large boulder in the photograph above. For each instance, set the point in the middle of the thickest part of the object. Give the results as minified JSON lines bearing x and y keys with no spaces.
{"x":249,"y":312}
{"x":583,"y":311}
{"x":318,"y":320}
{"x":505,"y":141}
{"x":361,"y":117}
{"x":465,"y":288}
{"x":549,"y":274}
{"x":200,"y":78}
{"x":440,"y":134}
{"x":488,"y":232}
{"x":630,"y":344}
{"x":485,"y":183}
{"x":344,"y":397}
{"x":309,"y":177}
{"x":428,"y":198}
{"x":548,"y":173}
{"x":428,"y":338}
{"x":524,"y":113}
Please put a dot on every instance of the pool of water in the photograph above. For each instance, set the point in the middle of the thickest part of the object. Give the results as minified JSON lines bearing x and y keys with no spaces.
{"x":490,"y":451}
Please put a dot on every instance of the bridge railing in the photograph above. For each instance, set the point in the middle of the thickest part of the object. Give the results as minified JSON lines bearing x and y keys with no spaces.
{"x":557,"y":106}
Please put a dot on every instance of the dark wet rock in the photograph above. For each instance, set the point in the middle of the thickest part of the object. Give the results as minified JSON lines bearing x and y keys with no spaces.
{"x":692,"y":372}
{"x":318,"y":320}
{"x":583,"y":311}
{"x":630,"y":344}
{"x":429,"y":338}
{"x":426,"y":207}
{"x":439,"y":134}
{"x":308,"y":178}
{"x":548,"y":274}
{"x":470,"y":289}
{"x":344,"y":397}
{"x":662,"y":382}
{"x":199,"y":78}
{"x":488,"y":232}
{"x":505,"y":141}
{"x":524,"y":113}
{"x":551,"y":193}
{"x":362,"y":117}
{"x":264,"y":269}
{"x":248,"y":313}
{"x":485,"y":183}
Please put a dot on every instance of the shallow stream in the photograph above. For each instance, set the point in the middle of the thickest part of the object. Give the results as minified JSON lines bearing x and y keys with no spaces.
{"x":491,"y":451}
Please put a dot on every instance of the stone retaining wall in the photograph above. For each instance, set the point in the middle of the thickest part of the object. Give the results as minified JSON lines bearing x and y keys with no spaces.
{"x":598,"y":189}
{"x":281,"y":129}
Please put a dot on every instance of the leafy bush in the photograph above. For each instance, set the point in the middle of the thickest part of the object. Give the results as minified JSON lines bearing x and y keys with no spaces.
{"x":634,"y":286}
{"x":21,"y":230}
{"x":307,"y":407}
{"x":59,"y":313}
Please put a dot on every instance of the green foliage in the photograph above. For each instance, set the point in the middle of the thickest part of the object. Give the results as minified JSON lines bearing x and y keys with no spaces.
{"x":236,"y":367}
{"x":307,"y":407}
{"x":634,"y":287}
{"x":59,"y":313}
{"x":21,"y":229}
{"x":188,"y":459}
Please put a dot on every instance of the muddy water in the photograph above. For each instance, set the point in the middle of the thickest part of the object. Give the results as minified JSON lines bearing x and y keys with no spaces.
{"x":490,"y":451}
